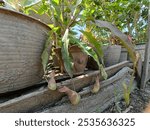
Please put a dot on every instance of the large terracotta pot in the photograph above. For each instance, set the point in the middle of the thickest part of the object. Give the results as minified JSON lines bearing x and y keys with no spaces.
{"x":22,"y":39}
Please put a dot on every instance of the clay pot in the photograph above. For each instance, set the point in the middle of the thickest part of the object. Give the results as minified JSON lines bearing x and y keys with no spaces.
{"x":138,"y":48}
{"x":79,"y":59}
{"x":123,"y":55}
{"x":111,"y":55}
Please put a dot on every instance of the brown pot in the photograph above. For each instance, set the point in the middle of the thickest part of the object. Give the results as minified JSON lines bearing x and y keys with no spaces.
{"x":79,"y":59}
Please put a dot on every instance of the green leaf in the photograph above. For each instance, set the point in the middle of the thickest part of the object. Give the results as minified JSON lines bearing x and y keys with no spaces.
{"x":65,"y":37}
{"x":61,"y":17}
{"x":65,"y":54}
{"x":51,"y":25}
{"x":45,"y":58}
{"x":122,"y":37}
{"x":78,"y":3}
{"x":126,"y":93}
{"x":45,"y":54}
{"x":55,"y":2}
{"x":93,"y":41}
{"x":42,"y":9}
{"x":27,"y":3}
{"x":89,"y":51}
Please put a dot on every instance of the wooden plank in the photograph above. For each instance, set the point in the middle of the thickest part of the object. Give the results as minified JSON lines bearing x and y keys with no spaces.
{"x":43,"y":96}
{"x":147,"y":56}
{"x":122,"y":73}
{"x":97,"y":102}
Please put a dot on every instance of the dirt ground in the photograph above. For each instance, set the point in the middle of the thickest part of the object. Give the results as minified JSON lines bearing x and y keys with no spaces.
{"x":138,"y":101}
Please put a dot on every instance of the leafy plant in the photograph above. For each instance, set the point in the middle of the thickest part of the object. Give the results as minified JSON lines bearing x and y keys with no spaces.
{"x":121,"y":36}
{"x":127,"y":93}
{"x":65,"y":54}
{"x":117,"y":99}
{"x":128,"y":88}
{"x":64,"y":15}
{"x":20,"y":5}
{"x":1,"y":2}
{"x":129,"y":16}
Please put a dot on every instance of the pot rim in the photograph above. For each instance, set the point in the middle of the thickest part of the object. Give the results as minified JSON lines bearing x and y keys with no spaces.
{"x":23,"y":16}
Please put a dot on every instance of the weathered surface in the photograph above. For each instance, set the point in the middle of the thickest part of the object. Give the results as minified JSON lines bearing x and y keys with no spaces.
{"x":44,"y":96}
{"x":147,"y":57}
{"x":21,"y":43}
{"x":110,"y":89}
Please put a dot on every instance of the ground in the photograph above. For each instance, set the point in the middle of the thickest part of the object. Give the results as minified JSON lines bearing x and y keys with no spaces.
{"x":138,"y":101}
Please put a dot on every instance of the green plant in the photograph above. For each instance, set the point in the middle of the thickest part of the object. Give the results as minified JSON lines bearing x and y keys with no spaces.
{"x":128,"y":89}
{"x":92,"y":40}
{"x":124,"y":41}
{"x":117,"y":99}
{"x":127,"y":93}
{"x":20,"y":5}
{"x":130,"y":16}
{"x":64,"y":15}
{"x":1,"y":2}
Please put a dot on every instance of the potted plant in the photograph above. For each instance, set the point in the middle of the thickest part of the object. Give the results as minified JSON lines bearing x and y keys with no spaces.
{"x":121,"y":37}
{"x":71,"y":52}
{"x":112,"y":51}
{"x":63,"y":16}
{"x":108,"y":52}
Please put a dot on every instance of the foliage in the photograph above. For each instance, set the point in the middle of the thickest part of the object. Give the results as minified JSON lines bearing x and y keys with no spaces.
{"x":127,"y":93}
{"x":128,"y":89}
{"x":64,"y":16}
{"x":89,"y":51}
{"x":65,"y":54}
{"x":117,"y":99}
{"x":20,"y":5}
{"x":45,"y":54}
{"x":128,"y":15}
{"x":1,"y":2}
{"x":122,"y":37}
